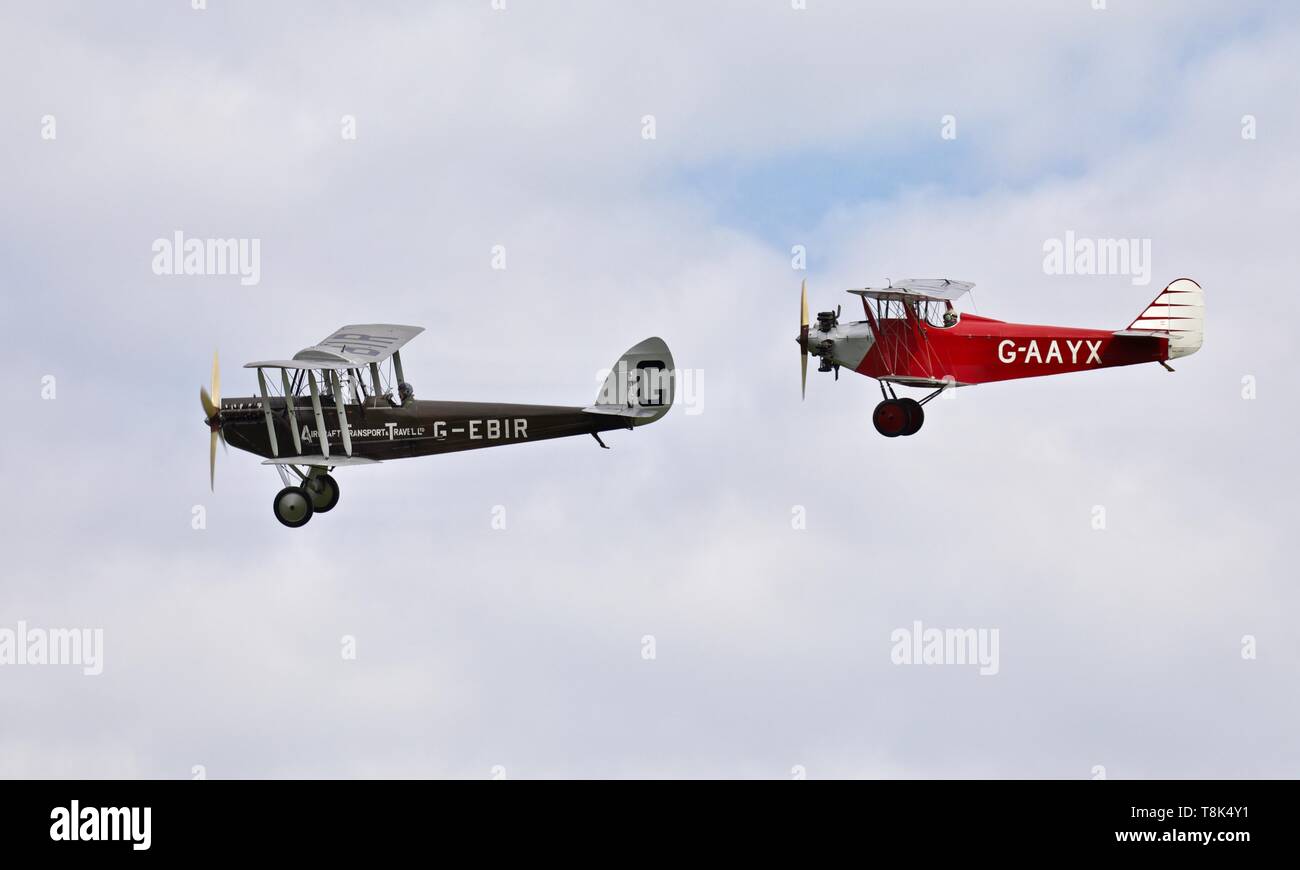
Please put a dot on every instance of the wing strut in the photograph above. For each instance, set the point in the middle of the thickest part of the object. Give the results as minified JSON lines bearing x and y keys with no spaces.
{"x":293,"y":415}
{"x":397,"y":369}
{"x":376,"y":387}
{"x":342,"y":412}
{"x":266,"y":412}
{"x":357,"y":387}
{"x":320,"y":415}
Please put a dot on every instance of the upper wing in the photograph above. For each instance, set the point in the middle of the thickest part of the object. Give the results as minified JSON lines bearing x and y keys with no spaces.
{"x":349,"y":347}
{"x":919,"y":288}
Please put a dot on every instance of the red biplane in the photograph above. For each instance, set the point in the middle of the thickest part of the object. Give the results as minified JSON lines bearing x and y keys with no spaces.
{"x":914,"y":337}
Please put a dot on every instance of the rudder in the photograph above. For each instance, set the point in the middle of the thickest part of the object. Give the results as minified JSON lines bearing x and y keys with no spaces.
{"x":1180,"y":311}
{"x":640,"y":386}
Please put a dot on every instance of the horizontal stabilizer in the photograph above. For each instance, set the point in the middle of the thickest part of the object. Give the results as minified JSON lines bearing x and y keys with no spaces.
{"x":622,"y":411}
{"x":1144,"y":333}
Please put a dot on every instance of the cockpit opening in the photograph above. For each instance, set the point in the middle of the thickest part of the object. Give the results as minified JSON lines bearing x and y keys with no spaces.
{"x":938,"y":313}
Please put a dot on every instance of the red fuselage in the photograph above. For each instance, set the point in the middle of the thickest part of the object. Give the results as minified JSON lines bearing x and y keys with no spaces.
{"x":978,"y":350}
{"x":914,"y":337}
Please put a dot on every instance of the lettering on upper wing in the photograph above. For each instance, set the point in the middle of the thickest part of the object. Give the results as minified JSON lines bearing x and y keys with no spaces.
{"x":360,"y":343}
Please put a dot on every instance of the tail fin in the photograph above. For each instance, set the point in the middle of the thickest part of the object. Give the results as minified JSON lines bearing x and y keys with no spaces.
{"x":640,"y":386}
{"x":1179,"y":311}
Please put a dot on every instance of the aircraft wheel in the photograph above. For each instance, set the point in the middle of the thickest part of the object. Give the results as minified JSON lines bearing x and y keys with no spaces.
{"x":890,"y":418}
{"x":293,"y":506}
{"x":915,"y":415}
{"x":324,"y":493}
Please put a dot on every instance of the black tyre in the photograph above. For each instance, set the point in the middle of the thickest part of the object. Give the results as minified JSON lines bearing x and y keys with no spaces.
{"x":293,"y":506}
{"x":324,"y":493}
{"x":890,"y":418}
{"x":915,"y":415}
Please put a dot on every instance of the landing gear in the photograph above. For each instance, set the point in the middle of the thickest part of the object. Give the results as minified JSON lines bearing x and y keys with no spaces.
{"x":891,"y":418}
{"x":293,"y":506}
{"x":894,"y":417}
{"x":324,"y":491}
{"x":915,"y":415}
{"x":316,"y":494}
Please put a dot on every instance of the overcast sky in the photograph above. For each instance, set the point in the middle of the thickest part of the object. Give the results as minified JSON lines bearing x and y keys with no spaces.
{"x":523,"y":651}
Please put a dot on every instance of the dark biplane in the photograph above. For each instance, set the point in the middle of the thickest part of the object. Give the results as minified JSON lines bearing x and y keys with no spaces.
{"x":346,"y":402}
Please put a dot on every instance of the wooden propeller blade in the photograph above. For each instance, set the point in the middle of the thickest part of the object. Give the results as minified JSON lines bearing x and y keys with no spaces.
{"x":803,"y":366}
{"x":803,"y":339}
{"x":212,"y":401}
{"x":216,"y":381}
{"x":209,"y":407}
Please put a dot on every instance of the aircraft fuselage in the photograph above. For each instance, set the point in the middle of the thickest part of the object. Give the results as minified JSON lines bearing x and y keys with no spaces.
{"x":419,"y":428}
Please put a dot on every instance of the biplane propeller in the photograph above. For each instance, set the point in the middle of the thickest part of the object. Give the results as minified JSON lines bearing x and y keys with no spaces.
{"x":346,"y":402}
{"x":913,"y":336}
{"x":212,"y":416}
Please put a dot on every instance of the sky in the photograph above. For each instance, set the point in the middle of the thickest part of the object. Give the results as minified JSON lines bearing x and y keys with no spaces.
{"x":719,"y":594}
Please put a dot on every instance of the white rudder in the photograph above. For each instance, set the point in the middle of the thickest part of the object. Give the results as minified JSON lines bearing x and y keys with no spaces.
{"x":1180,"y":311}
{"x":640,"y":386}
